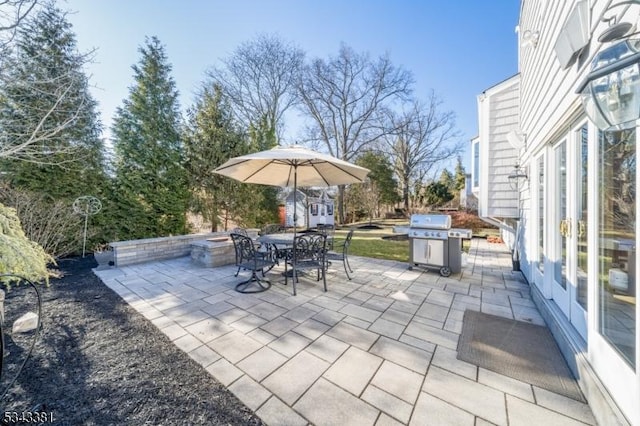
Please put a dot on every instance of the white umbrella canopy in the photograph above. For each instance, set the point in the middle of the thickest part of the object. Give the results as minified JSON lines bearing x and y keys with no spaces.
{"x":292,"y":166}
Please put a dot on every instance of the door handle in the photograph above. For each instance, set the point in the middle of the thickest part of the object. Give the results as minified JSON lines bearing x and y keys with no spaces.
{"x":582,"y":228}
{"x":565,"y":228}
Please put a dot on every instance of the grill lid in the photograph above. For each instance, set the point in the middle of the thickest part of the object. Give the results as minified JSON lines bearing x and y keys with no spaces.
{"x":430,"y":221}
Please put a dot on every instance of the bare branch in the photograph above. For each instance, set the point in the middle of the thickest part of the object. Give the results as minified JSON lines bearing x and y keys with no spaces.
{"x":343,"y":95}
{"x":259,"y":80}
{"x":12,"y":14}
{"x":419,"y":139}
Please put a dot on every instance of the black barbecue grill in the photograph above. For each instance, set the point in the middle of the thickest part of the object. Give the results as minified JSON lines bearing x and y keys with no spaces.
{"x":434,"y":244}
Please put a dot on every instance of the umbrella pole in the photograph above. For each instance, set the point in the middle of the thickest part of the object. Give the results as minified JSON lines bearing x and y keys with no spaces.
{"x":295,"y":206}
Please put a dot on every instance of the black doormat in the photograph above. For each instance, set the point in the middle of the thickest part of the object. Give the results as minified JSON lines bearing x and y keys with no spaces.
{"x":523,"y":351}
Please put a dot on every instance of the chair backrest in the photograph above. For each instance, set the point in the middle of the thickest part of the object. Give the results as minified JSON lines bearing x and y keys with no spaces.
{"x":309,"y":247}
{"x":347,"y":240}
{"x":243,"y":245}
{"x":240,"y":231}
{"x":328,"y":230}
{"x":273,"y":228}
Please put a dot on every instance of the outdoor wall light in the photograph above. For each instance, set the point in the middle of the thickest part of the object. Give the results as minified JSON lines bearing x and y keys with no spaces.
{"x":517,"y":175}
{"x":617,"y":30}
{"x":611,"y":91}
{"x":530,"y":38}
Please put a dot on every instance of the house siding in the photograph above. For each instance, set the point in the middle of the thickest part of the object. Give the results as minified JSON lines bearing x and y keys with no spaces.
{"x":550,"y":112}
{"x":499,"y":115}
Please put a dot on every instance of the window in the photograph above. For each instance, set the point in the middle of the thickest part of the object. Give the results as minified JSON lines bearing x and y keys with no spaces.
{"x":617,"y":241}
{"x":541,"y":214}
{"x":314,"y":209}
{"x":583,"y":192}
{"x":476,"y":164}
{"x":329,"y":209}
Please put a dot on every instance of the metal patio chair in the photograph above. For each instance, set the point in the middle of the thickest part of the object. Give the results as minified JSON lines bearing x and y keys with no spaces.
{"x":249,"y":258}
{"x":308,"y":253}
{"x":341,"y":253}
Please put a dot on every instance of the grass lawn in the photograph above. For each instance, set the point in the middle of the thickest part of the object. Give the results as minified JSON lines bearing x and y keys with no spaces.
{"x":369,"y":243}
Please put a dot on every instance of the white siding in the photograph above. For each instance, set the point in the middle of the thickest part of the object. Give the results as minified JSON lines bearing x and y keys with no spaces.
{"x":498,"y":115}
{"x":549,"y":110}
{"x":548,"y":98}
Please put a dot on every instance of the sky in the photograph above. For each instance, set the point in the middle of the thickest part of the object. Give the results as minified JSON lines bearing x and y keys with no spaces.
{"x":456,"y":48}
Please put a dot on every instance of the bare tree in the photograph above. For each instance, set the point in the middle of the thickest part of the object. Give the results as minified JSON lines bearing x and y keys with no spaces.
{"x":12,"y":13}
{"x":419,"y":139}
{"x":46,"y":122}
{"x":343,"y":95}
{"x":259,"y":80}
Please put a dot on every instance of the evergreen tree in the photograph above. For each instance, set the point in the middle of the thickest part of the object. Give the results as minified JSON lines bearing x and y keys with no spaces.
{"x":44,"y":97}
{"x":460,"y":175}
{"x":437,"y":194}
{"x":211,"y":138}
{"x":260,"y":205}
{"x":381,"y":172}
{"x":151,"y":181}
{"x":446,"y":178}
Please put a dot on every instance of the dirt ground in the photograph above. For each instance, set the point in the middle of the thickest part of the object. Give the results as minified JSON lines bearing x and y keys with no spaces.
{"x":98,"y":362}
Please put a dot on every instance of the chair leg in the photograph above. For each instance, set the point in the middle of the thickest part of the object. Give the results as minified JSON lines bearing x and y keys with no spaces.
{"x":237,"y":272}
{"x":345,"y":262}
{"x":348,"y":264}
{"x":295,"y":280}
{"x":324,"y":279}
{"x":262,"y":284}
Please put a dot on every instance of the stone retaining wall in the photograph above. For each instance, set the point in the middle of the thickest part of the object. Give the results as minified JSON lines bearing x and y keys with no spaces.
{"x":210,"y":254}
{"x":140,"y":251}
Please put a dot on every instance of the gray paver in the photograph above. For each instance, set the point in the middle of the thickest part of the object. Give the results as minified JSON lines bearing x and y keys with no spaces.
{"x":234,"y":346}
{"x":290,"y":344}
{"x":405,"y":355}
{"x":433,"y":311}
{"x":174,"y":331}
{"x":312,"y":329}
{"x":386,"y":420}
{"x":432,"y":334}
{"x":522,"y":412}
{"x":250,"y":392}
{"x":353,"y":370}
{"x":276,"y":412}
{"x":393,"y":344}
{"x":204,"y":355}
{"x":353,"y":335}
{"x":327,"y":348}
{"x":359,"y":312}
{"x":562,"y":404}
{"x":208,"y":329}
{"x":187,"y":343}
{"x":387,"y":328}
{"x":224,"y":372}
{"x":291,"y":380}
{"x":388,"y":403}
{"x":279,"y":326}
{"x":399,"y":381}
{"x":261,"y":363}
{"x":346,"y":409}
{"x":469,"y":395}
{"x":506,"y":384}
{"x":248,"y":323}
{"x":445,"y":358}
{"x":430,"y":410}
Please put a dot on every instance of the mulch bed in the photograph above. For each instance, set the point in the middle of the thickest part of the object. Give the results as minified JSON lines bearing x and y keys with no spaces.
{"x":99,"y":362}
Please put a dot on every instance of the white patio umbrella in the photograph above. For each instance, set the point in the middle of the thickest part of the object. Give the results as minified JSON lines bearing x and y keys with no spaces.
{"x":292,"y":166}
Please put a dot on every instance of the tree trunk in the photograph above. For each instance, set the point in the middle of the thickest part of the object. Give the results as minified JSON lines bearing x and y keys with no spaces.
{"x":341,"y":204}
{"x":405,"y":195}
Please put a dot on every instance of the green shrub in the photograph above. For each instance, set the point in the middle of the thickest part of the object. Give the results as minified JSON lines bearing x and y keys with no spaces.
{"x":19,"y":255}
